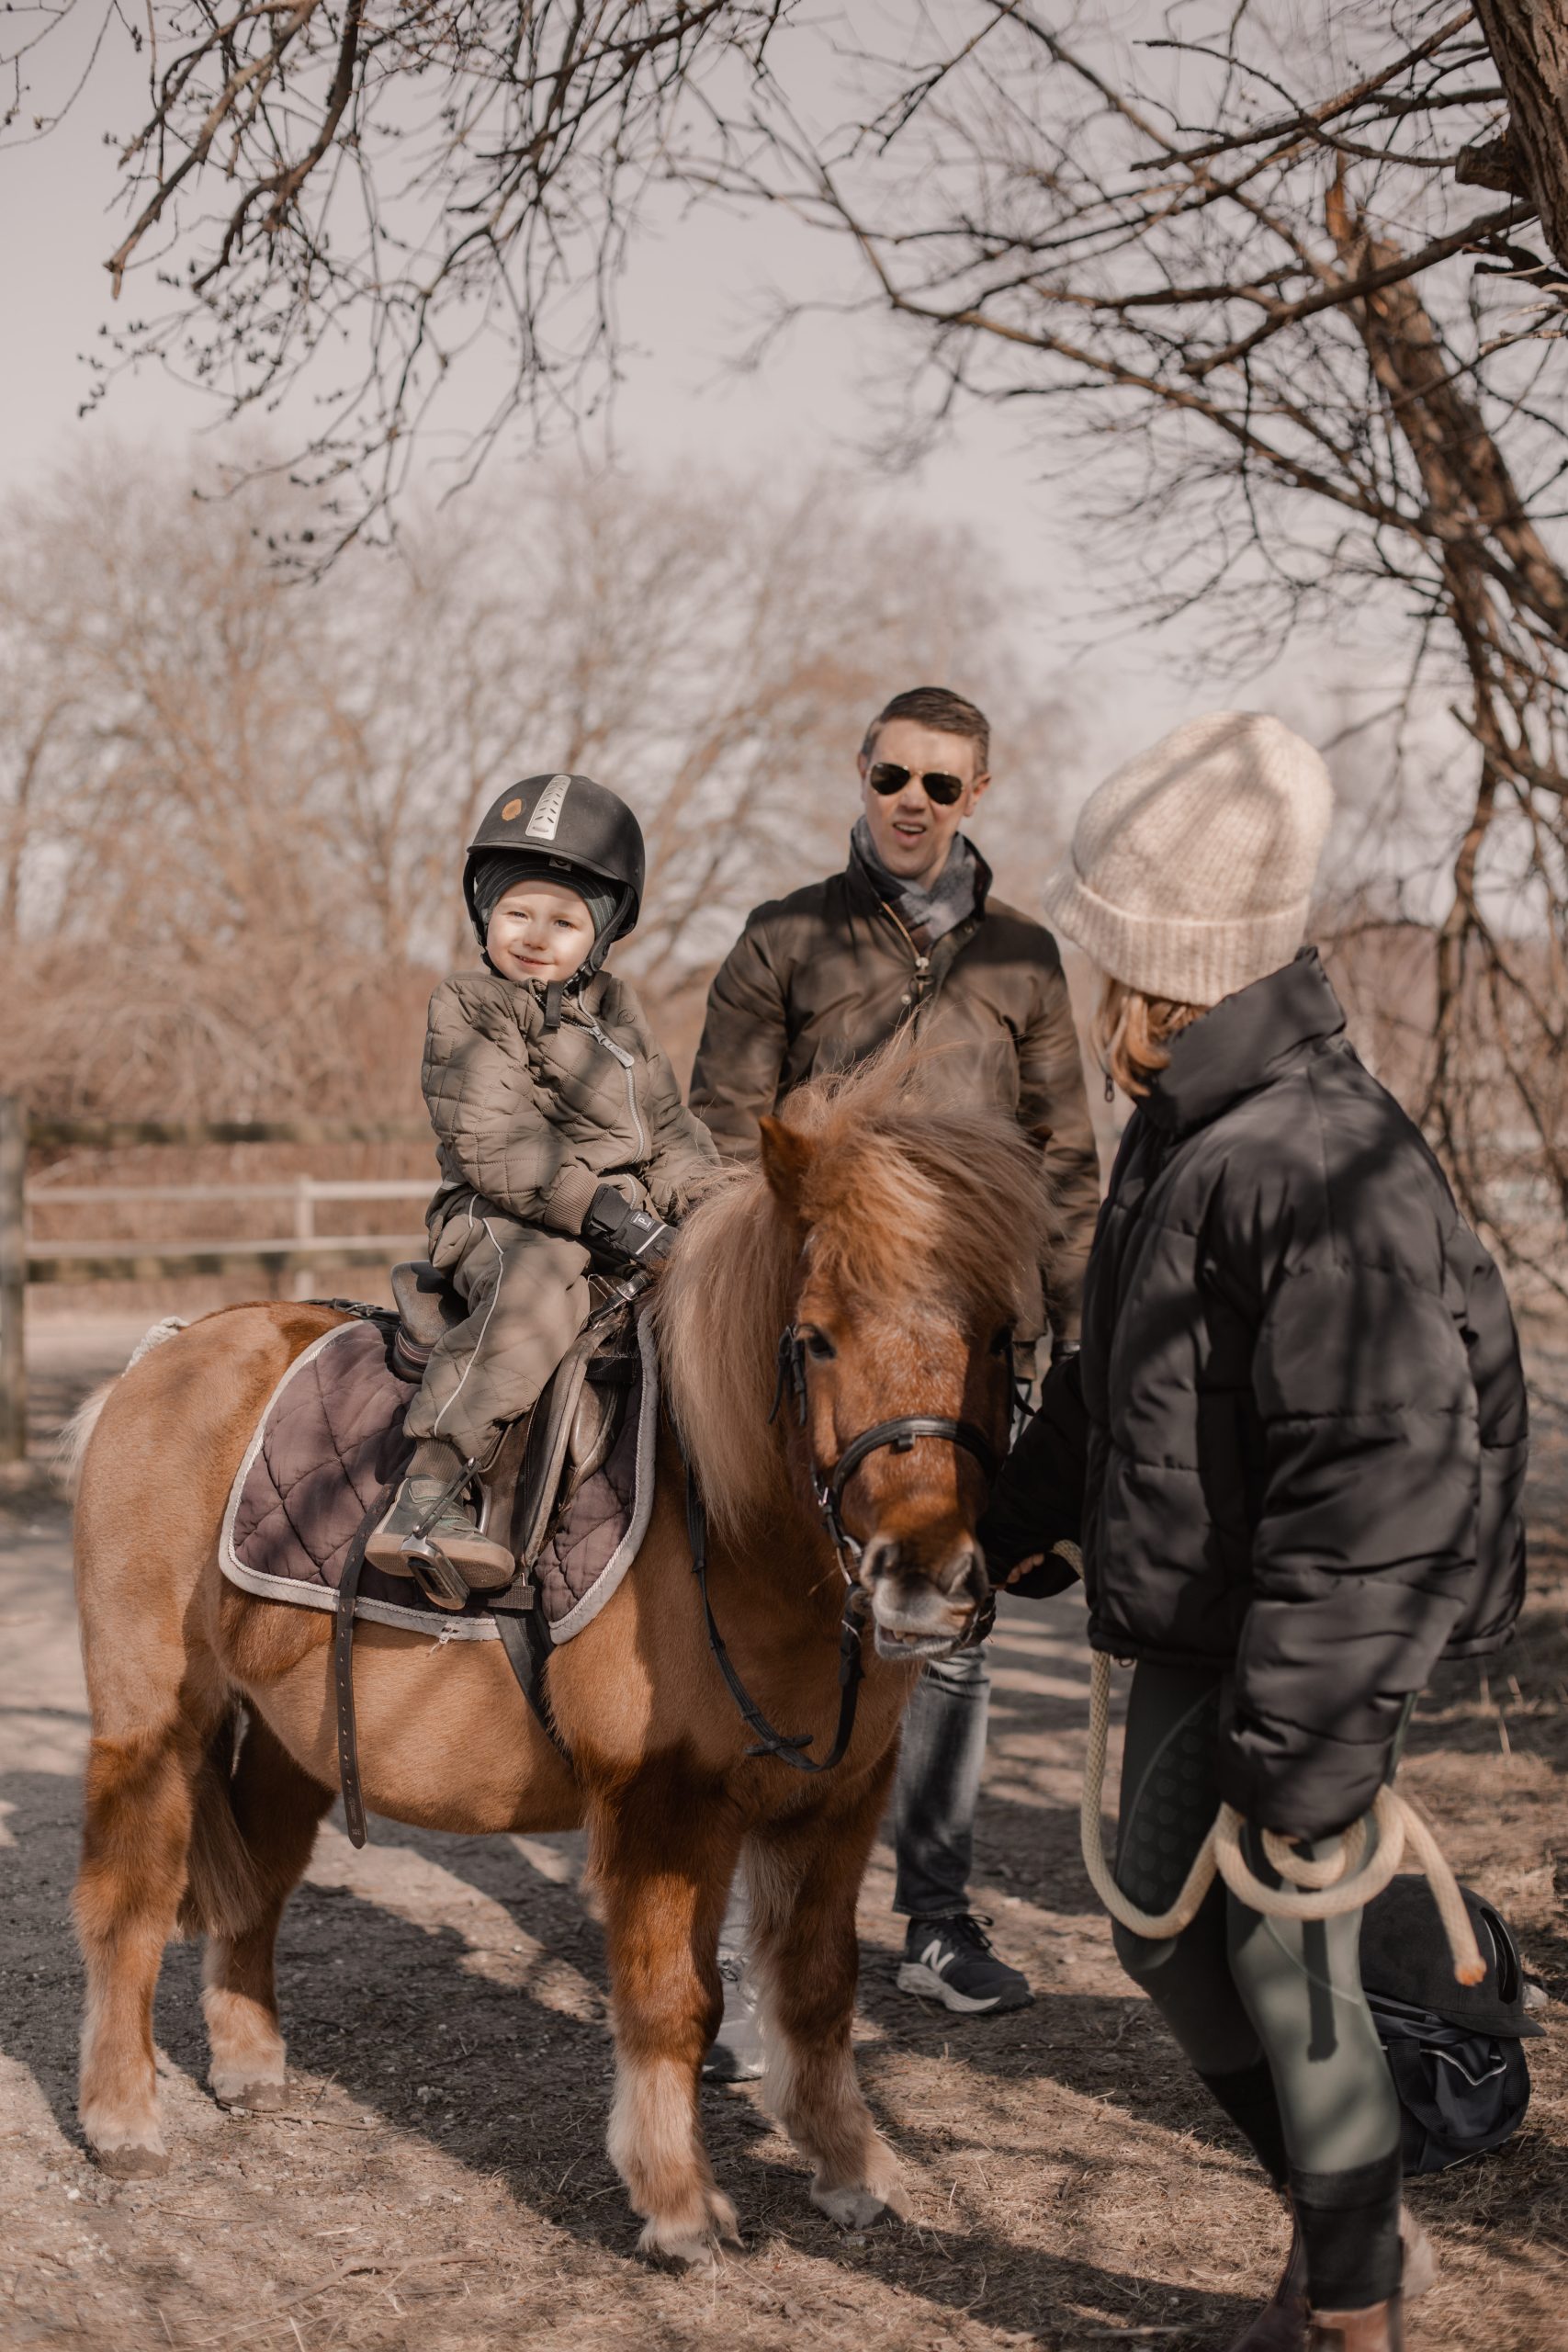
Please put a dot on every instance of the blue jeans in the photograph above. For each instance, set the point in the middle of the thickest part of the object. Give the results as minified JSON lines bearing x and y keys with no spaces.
{"x":937,"y":1786}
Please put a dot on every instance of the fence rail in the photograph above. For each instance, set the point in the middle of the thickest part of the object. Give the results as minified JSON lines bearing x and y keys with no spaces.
{"x":119,"y":1134}
{"x":301,"y":1252}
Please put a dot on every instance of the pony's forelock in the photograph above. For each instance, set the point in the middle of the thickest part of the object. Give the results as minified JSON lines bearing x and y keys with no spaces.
{"x":905,"y":1194}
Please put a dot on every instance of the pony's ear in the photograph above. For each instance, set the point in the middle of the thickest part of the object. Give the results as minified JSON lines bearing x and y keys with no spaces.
{"x":786,"y":1157}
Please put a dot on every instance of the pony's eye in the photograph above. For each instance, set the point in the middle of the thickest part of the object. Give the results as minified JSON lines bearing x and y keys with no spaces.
{"x":818,"y":1345}
{"x":1002,"y":1345}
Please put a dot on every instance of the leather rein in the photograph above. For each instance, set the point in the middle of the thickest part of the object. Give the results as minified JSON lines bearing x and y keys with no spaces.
{"x":899,"y":1436}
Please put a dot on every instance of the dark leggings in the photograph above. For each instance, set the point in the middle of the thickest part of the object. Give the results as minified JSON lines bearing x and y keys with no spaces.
{"x":1270,"y":2011}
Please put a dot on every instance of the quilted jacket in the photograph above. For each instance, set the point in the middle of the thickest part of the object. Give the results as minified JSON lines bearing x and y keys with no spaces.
{"x":536,"y":1122}
{"x":821,"y":979}
{"x":1306,"y":1430}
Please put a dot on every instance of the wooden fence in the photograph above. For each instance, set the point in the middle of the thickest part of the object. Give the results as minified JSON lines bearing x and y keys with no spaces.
{"x":299,"y":1252}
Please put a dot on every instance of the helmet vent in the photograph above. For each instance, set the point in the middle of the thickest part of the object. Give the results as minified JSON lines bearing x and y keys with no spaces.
{"x":544,"y":822}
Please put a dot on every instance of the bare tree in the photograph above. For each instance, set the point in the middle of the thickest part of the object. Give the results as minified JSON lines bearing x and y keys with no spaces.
{"x":1245,"y":267}
{"x":235,"y":806}
{"x":1241,"y":260}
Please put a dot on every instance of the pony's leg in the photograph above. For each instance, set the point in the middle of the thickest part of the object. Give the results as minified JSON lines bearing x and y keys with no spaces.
{"x":274,"y":1811}
{"x":663,"y":1859}
{"x":805,"y":1876}
{"x":140,"y":1799}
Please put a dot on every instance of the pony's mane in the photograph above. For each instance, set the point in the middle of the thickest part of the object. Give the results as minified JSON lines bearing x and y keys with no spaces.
{"x":906,"y":1192}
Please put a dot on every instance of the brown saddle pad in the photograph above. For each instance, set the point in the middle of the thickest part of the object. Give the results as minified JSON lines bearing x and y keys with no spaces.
{"x":332,"y":1437}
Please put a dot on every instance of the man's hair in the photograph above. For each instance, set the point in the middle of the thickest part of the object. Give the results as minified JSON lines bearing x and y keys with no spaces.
{"x":941,"y":708}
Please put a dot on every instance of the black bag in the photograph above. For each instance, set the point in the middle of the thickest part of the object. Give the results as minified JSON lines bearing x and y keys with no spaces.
{"x":1459,"y":2093}
{"x":1455,"y":2051}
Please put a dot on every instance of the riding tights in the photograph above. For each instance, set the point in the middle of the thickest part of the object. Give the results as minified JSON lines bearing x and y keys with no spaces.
{"x":1270,"y":2011}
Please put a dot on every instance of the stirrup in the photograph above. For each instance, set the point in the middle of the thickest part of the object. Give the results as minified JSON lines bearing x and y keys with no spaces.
{"x":433,"y":1573}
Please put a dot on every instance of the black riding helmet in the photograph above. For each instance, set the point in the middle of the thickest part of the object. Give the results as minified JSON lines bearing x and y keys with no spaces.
{"x":565,"y":824}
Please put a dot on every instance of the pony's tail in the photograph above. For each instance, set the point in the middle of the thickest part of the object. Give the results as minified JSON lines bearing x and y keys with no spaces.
{"x":71,"y":1446}
{"x":223,"y":1893}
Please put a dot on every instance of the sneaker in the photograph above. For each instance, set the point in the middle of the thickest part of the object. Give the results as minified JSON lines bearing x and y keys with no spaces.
{"x":483,"y":1565}
{"x":736,"y":2053}
{"x":951,"y":1960}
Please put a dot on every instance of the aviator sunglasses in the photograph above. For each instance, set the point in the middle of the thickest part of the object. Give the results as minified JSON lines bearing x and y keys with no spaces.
{"x":886,"y":779}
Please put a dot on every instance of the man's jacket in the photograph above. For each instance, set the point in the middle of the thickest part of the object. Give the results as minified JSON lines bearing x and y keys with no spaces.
{"x":535,"y":1120}
{"x":819,"y":979}
{"x":1306,"y":1424}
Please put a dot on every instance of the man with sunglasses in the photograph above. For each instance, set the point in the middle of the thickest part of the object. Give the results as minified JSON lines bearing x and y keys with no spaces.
{"x":908,"y":937}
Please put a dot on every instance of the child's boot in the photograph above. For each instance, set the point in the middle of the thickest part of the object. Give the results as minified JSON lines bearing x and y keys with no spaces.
{"x":430,"y":1508}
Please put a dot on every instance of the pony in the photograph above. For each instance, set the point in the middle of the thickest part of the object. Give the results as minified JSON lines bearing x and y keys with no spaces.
{"x":870,"y":1264}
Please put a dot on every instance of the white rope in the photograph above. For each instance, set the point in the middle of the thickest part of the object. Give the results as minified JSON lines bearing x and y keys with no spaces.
{"x":1342,"y":1881}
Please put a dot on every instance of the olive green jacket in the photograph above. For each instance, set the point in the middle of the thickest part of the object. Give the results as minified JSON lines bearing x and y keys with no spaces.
{"x":821,"y":979}
{"x":535,"y":1121}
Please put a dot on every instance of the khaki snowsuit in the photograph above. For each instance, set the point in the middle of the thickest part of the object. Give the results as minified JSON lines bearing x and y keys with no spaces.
{"x":528,"y":1126}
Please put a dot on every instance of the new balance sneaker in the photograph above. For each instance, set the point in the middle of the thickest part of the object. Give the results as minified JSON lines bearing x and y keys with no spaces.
{"x":951,"y":1960}
{"x":735,"y":2054}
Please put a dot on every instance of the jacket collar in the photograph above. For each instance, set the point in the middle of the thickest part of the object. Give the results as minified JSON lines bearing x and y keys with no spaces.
{"x":1237,"y":1049}
{"x":865,"y":896}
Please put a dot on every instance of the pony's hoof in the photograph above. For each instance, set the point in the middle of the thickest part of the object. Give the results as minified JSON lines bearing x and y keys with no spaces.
{"x":859,"y":2209}
{"x":677,"y":2245}
{"x":251,"y":2098}
{"x":132,"y":2161}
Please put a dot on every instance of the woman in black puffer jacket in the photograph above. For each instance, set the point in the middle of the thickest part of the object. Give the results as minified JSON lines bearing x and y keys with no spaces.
{"x":1292,"y":1449}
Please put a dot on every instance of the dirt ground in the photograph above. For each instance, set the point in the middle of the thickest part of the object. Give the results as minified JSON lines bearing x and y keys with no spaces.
{"x":438,"y":2181}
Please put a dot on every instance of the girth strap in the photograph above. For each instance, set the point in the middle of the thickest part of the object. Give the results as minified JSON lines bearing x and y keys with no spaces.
{"x":526,"y":1638}
{"x":342,"y":1673}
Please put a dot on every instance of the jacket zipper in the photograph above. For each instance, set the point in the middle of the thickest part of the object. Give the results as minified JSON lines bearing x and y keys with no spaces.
{"x":916,"y":995}
{"x":619,"y":1053}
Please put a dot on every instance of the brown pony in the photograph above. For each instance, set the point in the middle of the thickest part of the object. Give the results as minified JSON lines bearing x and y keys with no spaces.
{"x":895,"y":1238}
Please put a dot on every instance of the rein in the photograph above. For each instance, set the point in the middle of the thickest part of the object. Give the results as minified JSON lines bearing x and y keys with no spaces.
{"x":827,"y":1488}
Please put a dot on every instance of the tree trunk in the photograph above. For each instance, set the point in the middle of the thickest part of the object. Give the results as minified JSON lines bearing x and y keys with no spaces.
{"x":1528,"y":41}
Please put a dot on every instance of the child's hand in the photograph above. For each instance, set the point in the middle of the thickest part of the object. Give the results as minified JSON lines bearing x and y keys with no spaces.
{"x":617,"y":1228}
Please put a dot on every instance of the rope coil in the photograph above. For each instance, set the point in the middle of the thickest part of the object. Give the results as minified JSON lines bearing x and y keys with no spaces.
{"x":1340,"y":1881}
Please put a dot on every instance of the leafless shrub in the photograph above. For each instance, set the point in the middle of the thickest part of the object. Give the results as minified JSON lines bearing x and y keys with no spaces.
{"x":232,"y":807}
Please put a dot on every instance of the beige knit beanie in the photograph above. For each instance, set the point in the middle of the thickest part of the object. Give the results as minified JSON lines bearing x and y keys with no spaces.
{"x":1191,"y":867}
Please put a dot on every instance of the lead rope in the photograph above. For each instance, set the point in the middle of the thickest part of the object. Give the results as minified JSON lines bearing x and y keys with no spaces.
{"x":1341,"y":1881}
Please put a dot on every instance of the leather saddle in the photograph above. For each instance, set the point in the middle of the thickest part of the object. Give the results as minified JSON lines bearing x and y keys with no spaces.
{"x":546,"y":1457}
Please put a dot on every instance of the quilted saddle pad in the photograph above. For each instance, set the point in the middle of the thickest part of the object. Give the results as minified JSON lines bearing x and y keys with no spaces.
{"x":332,"y":1437}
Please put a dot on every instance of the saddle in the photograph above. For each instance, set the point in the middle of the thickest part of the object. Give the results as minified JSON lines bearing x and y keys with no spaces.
{"x":545,"y":1458}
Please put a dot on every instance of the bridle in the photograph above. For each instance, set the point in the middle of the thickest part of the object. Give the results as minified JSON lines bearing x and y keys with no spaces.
{"x":828,"y":1487}
{"x":897,"y":1435}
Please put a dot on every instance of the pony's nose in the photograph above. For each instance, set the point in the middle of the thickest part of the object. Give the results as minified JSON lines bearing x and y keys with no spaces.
{"x":922,"y":1607}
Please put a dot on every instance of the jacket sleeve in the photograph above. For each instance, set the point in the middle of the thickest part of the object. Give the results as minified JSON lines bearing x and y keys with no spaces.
{"x":487,"y":1115}
{"x":1037,"y":1499}
{"x":1054,"y":1107}
{"x":1503,"y":1409}
{"x":1365,"y":1548}
{"x":745,"y":1043}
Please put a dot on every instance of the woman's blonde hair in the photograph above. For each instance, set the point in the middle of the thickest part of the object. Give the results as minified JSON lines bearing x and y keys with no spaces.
{"x":1133,"y":1033}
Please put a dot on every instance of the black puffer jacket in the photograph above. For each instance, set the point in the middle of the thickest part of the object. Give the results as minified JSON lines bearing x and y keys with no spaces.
{"x":1306,"y":1414}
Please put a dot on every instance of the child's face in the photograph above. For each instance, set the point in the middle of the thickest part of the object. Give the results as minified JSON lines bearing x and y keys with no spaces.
{"x":539,"y":931}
